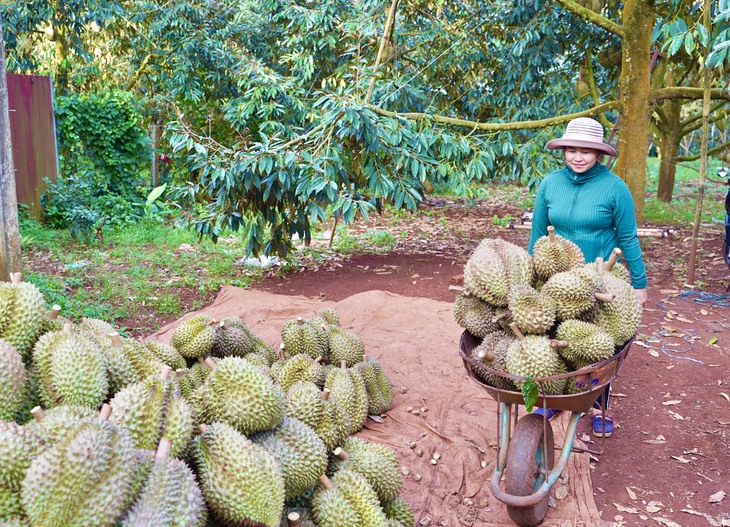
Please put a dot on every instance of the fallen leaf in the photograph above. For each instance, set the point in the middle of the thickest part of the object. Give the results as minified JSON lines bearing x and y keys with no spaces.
{"x":631,"y":493}
{"x":676,"y":416}
{"x":712,"y":341}
{"x":653,"y":353}
{"x":376,"y":418}
{"x":654,"y":506}
{"x":717,"y":497}
{"x":618,"y":394}
{"x":682,"y":319}
{"x":561,"y":493}
{"x":630,"y":510}
{"x":704,"y":312}
{"x":640,"y":343}
{"x":725,"y":396}
{"x":671,"y":403}
{"x":667,"y":522}
{"x":681,"y":459}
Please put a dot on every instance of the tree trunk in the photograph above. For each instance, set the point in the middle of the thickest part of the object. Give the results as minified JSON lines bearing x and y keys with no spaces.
{"x":638,"y":22}
{"x":670,"y":138}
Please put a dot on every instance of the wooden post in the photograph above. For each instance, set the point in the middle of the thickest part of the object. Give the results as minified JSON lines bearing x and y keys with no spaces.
{"x":9,"y":233}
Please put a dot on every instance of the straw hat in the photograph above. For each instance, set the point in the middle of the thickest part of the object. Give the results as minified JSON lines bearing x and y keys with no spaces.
{"x":583,"y":132}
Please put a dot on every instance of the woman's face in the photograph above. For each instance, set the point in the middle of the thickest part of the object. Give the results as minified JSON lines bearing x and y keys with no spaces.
{"x":580,"y":159}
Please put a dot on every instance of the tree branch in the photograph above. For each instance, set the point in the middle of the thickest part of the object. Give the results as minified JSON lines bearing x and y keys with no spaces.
{"x":383,"y":41}
{"x":711,"y":151}
{"x":688,"y":123}
{"x":685,"y":92}
{"x":595,"y":18}
{"x":495,"y":127}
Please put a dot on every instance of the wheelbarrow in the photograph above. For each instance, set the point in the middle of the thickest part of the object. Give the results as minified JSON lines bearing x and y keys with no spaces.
{"x":526,"y":455}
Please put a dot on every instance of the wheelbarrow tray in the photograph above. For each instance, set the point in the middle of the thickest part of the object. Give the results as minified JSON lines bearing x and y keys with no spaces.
{"x":592,"y":380}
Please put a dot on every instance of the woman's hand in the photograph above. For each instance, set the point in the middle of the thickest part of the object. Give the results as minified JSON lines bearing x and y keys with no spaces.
{"x":641,"y":295}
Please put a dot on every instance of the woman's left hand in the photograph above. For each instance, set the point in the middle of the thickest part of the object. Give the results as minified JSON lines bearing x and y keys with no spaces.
{"x":641,"y":295}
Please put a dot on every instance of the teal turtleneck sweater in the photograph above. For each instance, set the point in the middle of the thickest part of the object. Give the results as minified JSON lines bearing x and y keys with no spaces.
{"x":595,"y":210}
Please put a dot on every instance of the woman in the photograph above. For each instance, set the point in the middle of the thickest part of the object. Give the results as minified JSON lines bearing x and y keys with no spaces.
{"x":593,"y":208}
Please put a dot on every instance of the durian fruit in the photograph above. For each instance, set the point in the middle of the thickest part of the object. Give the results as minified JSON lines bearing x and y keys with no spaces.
{"x":492,"y":352}
{"x":149,"y":410}
{"x":574,"y":293}
{"x":166,"y":354}
{"x":170,"y":497}
{"x":300,"y":452}
{"x":585,"y":343}
{"x":127,"y":361}
{"x":533,"y":356}
{"x":19,"y":445}
{"x":327,"y":317}
{"x":241,"y":481}
{"x":299,"y":336}
{"x":190,"y":379}
{"x":376,"y":462}
{"x":533,"y":312}
{"x":53,"y":424}
{"x":380,"y":392}
{"x":620,"y":317}
{"x":297,"y":517}
{"x":71,"y":370}
{"x":474,"y":315}
{"x":314,"y":407}
{"x":13,"y":381}
{"x":84,"y":479}
{"x":299,"y":368}
{"x":25,"y":312}
{"x":554,"y":254}
{"x":232,"y":338}
{"x":618,"y":270}
{"x":345,"y":346}
{"x":347,"y":500}
{"x":260,"y":347}
{"x":348,"y":388}
{"x":95,"y":329}
{"x":241,"y":395}
{"x":400,"y":511}
{"x":495,"y":268}
{"x":52,"y":321}
{"x":194,"y":337}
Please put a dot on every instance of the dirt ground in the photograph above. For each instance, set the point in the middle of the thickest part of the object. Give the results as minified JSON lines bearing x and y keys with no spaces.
{"x":668,"y":461}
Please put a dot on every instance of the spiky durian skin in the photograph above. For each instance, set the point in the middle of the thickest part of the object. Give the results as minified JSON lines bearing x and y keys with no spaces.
{"x":19,"y":445}
{"x":533,"y":357}
{"x":496,"y":343}
{"x":360,"y":494}
{"x":348,"y":387}
{"x":166,"y":354}
{"x":326,"y":417}
{"x":533,"y":312}
{"x":573,"y":296}
{"x":7,"y":299}
{"x":241,"y":481}
{"x":60,"y":421}
{"x":11,"y":505}
{"x":587,"y":343}
{"x":331,"y":508}
{"x":178,"y":425}
{"x":241,"y":395}
{"x":376,"y":462}
{"x":380,"y":392}
{"x":231,"y":339}
{"x":13,"y":380}
{"x":263,"y":349}
{"x":299,"y":368}
{"x":400,"y":511}
{"x":24,"y":321}
{"x":300,"y":452}
{"x":84,"y":479}
{"x":345,"y":346}
{"x":194,"y":337}
{"x":302,"y":337}
{"x":494,"y":268}
{"x":171,"y":497}
{"x":620,"y":317}
{"x":550,"y":257}
{"x":474,"y":315}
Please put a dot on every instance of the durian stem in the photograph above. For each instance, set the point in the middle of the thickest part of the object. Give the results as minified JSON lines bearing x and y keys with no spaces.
{"x":16,"y":278}
{"x":600,"y":267}
{"x":487,"y":356}
{"x":293,"y":519}
{"x":516,"y":331}
{"x":38,"y":413}
{"x":201,"y":360}
{"x":319,"y":359}
{"x":67,"y":327}
{"x":604,"y":297}
{"x":180,"y":373}
{"x":559,"y":343}
{"x":615,"y":254}
{"x":55,"y":310}
{"x":300,"y":321}
{"x":343,"y":364}
{"x":116,"y":339}
{"x":202,"y":428}
{"x":282,"y":354}
{"x":326,"y":394}
{"x":344,"y":456}
{"x":504,"y":314}
{"x":165,"y":371}
{"x":222,"y":325}
{"x":326,"y":482}
{"x":163,"y":449}
{"x":210,"y":363}
{"x":105,"y":412}
{"x":551,"y":233}
{"x":213,"y":322}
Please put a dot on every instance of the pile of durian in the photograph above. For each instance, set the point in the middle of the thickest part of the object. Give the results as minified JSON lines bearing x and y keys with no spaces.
{"x":214,"y":429}
{"x":545,"y":314}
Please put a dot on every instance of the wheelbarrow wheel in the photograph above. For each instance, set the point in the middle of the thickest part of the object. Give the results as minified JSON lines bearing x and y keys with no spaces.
{"x":529,"y":459}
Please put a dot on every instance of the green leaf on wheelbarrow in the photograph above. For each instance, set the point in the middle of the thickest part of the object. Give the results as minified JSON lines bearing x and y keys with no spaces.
{"x":530,"y":391}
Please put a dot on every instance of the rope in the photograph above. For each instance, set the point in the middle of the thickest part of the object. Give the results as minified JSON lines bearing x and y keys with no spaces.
{"x":705,"y":298}
{"x":687,"y":336}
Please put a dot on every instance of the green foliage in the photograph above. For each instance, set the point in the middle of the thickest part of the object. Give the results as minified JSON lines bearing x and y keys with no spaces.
{"x":530,"y":392}
{"x":103,"y":152}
